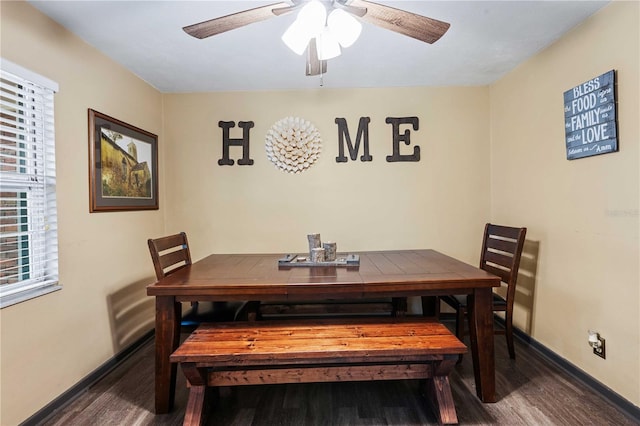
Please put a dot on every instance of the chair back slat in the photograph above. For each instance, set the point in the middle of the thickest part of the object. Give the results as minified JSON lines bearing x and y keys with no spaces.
{"x":499,"y":259}
{"x":504,"y":231}
{"x":169,"y":254}
{"x":507,"y":246}
{"x":174,"y":259}
{"x":170,"y":241}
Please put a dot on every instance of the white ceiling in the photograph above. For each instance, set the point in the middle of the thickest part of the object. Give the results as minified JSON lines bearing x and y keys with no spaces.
{"x":487,"y":39}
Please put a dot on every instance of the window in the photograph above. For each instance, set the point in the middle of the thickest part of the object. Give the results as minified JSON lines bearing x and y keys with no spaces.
{"x":28,"y":217}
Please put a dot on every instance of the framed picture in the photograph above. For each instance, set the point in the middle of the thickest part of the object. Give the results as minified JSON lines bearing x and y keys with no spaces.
{"x":123,"y":166}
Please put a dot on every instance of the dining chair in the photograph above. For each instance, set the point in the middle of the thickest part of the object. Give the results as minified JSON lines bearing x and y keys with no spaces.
{"x":170,"y":254}
{"x":501,"y":252}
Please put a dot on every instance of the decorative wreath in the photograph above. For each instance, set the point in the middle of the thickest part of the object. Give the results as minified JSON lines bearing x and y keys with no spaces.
{"x":293,"y":144}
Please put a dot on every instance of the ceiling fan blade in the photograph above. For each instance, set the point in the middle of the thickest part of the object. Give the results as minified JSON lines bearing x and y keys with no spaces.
{"x":410,"y":24}
{"x":354,"y":10}
{"x":297,"y":4}
{"x":235,"y":20}
{"x":314,"y":66}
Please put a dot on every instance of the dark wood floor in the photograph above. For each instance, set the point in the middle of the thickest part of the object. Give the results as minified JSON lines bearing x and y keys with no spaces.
{"x":530,"y":390}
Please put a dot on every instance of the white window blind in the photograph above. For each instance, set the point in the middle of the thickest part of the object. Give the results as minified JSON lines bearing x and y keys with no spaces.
{"x":28,"y":216}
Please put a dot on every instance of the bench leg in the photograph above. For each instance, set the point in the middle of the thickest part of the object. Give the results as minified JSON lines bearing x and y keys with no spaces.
{"x":193,"y":415}
{"x":441,"y":400}
{"x":196,"y":377}
{"x":439,"y":391}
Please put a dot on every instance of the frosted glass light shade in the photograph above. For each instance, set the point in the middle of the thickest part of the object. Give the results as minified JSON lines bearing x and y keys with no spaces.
{"x":308,"y":24}
{"x":328,"y":46}
{"x":296,"y":38}
{"x":345,"y":27}
{"x":313,"y":17}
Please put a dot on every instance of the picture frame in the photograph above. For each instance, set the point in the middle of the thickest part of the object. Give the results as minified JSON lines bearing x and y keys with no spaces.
{"x":123,"y":166}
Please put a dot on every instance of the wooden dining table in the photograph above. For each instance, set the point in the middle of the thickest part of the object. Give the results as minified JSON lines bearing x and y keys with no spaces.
{"x":259,"y":277}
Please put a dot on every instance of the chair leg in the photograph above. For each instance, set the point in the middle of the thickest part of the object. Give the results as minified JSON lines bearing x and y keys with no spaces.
{"x":461,"y":316}
{"x":508,"y":332}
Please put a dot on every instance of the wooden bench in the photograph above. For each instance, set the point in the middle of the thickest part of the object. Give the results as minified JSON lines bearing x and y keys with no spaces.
{"x":321,"y":350}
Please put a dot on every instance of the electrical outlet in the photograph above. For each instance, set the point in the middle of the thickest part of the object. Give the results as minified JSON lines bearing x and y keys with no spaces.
{"x":597,"y":343}
{"x":599,"y":350}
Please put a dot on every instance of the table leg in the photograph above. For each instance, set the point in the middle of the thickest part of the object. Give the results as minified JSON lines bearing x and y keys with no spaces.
{"x":399,"y":306}
{"x":482,"y":343}
{"x":431,"y":307}
{"x":168,"y":314}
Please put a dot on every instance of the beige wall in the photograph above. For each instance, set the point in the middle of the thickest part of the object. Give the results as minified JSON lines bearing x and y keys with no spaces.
{"x":52,"y":342}
{"x":583,"y":214}
{"x":487,"y":154}
{"x":441,"y":201}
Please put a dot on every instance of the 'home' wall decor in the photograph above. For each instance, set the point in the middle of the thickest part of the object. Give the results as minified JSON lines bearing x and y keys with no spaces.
{"x":293,"y":144}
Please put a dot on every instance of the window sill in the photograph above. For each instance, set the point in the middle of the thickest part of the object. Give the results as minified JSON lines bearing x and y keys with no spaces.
{"x":23,"y":296}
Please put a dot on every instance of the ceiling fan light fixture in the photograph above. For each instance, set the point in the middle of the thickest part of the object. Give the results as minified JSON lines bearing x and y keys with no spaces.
{"x":345,"y":27}
{"x":328,"y":46}
{"x":308,"y":24}
{"x":312,"y":17}
{"x":296,"y":37}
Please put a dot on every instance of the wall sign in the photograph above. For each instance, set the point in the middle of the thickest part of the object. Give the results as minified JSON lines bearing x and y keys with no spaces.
{"x":590,"y":117}
{"x":293,"y":144}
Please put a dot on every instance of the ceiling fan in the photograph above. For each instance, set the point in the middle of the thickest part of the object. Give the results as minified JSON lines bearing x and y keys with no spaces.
{"x":422,"y":28}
